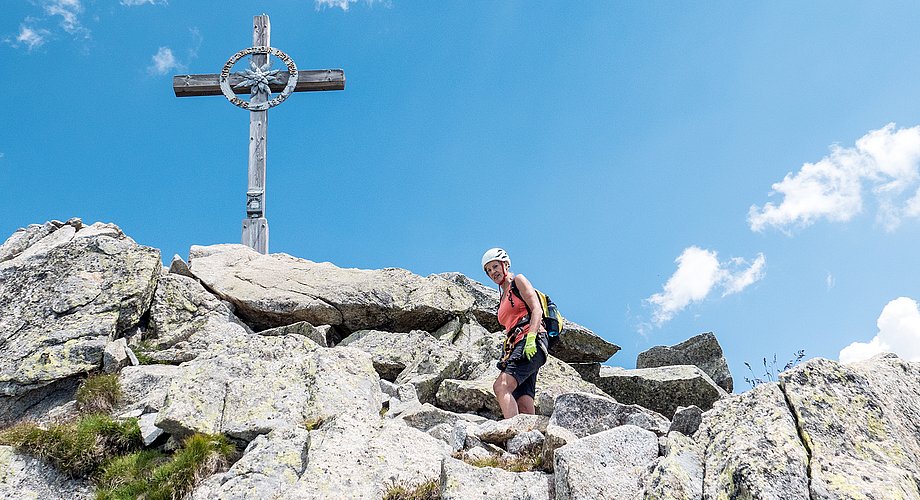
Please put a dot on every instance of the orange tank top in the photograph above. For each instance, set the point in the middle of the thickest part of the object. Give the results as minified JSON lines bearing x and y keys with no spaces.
{"x":511,"y":310}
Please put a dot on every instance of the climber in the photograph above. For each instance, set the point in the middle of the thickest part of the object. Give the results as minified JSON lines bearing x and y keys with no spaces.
{"x":524,"y":350}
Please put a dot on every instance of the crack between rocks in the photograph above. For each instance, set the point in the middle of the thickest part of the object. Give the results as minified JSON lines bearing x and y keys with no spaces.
{"x":73,"y":309}
{"x":704,"y":456}
{"x":314,"y":297}
{"x":51,"y":387}
{"x":51,"y":345}
{"x":211,"y":290}
{"x":249,"y":280}
{"x":799,"y":431}
{"x":223,"y":408}
{"x":237,"y":306}
{"x":144,"y":316}
{"x":330,"y":304}
{"x":12,"y":336}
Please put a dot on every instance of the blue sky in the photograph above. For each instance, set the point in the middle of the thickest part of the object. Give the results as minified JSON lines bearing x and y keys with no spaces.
{"x":661,"y":169}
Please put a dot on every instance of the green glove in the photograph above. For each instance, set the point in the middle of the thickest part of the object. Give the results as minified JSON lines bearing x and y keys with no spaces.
{"x":530,"y":345}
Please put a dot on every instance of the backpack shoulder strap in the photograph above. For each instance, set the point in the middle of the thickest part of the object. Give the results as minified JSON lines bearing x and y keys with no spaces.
{"x":515,"y":291}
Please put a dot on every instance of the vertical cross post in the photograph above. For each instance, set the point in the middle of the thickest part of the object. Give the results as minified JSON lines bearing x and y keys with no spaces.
{"x":259,"y":81}
{"x":255,"y":225}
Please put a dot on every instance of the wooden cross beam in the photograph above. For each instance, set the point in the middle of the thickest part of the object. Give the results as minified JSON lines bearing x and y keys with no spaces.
{"x":307,"y":81}
{"x":255,"y":225}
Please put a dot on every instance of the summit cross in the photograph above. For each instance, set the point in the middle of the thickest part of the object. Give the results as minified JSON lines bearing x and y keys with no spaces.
{"x":259,"y":81}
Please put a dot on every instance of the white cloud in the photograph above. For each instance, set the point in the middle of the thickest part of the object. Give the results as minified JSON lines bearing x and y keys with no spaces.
{"x":70,"y":11}
{"x":164,"y":62}
{"x":196,"y":43}
{"x":132,"y":3}
{"x":30,"y":37}
{"x":830,"y":281}
{"x":737,"y":278}
{"x":344,"y":4}
{"x":698,"y":273}
{"x":35,"y":30}
{"x":885,"y":162}
{"x":898,"y":332}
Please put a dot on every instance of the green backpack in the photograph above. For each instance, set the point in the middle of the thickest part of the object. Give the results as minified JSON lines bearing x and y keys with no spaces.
{"x":552,"y":318}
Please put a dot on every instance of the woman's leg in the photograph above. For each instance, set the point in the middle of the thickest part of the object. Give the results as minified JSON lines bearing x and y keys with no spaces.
{"x":525,"y":405}
{"x":504,"y":385}
{"x":527,"y":389}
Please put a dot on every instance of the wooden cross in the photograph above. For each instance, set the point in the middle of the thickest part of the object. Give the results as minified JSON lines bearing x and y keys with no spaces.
{"x":255,"y":225}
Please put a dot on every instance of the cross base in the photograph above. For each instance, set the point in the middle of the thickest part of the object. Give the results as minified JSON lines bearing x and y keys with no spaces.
{"x":255,"y":234}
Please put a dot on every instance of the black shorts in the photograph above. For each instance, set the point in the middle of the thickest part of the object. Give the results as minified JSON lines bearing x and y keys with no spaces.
{"x":524,"y":371}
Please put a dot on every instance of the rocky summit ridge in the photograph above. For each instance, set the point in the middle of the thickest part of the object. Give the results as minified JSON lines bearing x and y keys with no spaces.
{"x":343,"y":383}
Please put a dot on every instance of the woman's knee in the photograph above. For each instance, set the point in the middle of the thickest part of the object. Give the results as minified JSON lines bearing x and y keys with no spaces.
{"x":504,"y":384}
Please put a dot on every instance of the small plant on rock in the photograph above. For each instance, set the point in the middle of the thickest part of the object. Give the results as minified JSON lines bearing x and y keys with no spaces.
{"x":311,"y":424}
{"x":429,"y":490}
{"x":128,"y":474}
{"x":109,"y":452}
{"x":154,"y":476}
{"x":99,"y":394}
{"x":771,"y":370}
{"x":528,"y":462}
{"x":143,"y":354}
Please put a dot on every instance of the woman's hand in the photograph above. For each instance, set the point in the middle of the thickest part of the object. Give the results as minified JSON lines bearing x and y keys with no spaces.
{"x":530,"y":345}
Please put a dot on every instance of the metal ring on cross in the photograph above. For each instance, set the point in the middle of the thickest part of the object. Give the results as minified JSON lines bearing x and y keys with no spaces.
{"x":288,"y":89}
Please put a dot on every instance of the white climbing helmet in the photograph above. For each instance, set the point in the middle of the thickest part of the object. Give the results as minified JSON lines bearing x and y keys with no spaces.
{"x":495,"y":254}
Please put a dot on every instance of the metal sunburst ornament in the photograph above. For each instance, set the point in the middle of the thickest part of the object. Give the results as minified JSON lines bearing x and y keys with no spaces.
{"x":258,"y":78}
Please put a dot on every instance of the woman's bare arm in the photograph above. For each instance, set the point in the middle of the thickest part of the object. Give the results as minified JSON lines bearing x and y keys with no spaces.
{"x":529,"y":294}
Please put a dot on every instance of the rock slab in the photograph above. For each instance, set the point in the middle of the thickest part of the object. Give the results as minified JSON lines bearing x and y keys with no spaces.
{"x":745,"y":438}
{"x":258,"y":384}
{"x":351,"y":458}
{"x":585,"y":414}
{"x":23,"y":476}
{"x":277,"y":289}
{"x":462,"y":481}
{"x":186,"y":319}
{"x":270,"y":465}
{"x":662,"y":389}
{"x":703,"y":351}
{"x":609,"y":464}
{"x":66,"y":290}
{"x":861,"y":425}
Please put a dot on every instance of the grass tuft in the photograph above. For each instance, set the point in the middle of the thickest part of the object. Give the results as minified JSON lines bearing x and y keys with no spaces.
{"x":110,"y":453}
{"x":522,"y":463}
{"x":136,"y":467}
{"x":429,"y":490}
{"x":99,"y":394}
{"x":77,"y":448}
{"x":771,"y":370}
{"x":156,"y":477}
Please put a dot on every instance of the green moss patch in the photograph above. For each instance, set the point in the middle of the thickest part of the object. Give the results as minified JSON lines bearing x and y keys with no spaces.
{"x":142,"y":353}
